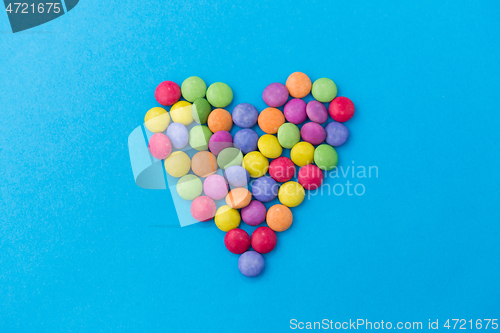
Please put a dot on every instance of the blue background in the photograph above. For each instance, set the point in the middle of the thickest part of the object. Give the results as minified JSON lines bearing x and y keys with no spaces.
{"x":78,"y":248}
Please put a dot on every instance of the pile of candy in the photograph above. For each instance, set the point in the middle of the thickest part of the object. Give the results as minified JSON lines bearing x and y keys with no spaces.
{"x":245,"y":155}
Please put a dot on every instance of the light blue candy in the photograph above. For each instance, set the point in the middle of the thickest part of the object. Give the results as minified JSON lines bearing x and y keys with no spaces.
{"x":178,"y":135}
{"x":237,"y":176}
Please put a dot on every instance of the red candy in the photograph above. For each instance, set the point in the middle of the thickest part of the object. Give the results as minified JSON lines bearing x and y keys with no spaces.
{"x":237,"y":241}
{"x":263,"y":240}
{"x":310,"y":177}
{"x":167,"y":93}
{"x":282,"y":169}
{"x":341,"y":109}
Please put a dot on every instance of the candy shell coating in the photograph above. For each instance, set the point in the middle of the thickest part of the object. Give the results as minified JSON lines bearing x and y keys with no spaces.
{"x":215,"y":186}
{"x":193,"y":88}
{"x":341,"y":109}
{"x":189,"y":187}
{"x":288,"y":135}
{"x":200,"y":110}
{"x":269,"y":146}
{"x":229,"y":157}
{"x":313,"y":133}
{"x":336,"y":134}
{"x":264,"y":189}
{"x":220,"y":120}
{"x":302,"y":153}
{"x":219,"y":141}
{"x":199,"y":137}
{"x":275,"y":94}
{"x":263,"y":240}
{"x":181,"y":113}
{"x":160,"y":146}
{"x":316,"y":111}
{"x":178,"y":135}
{"x":245,"y":115}
{"x":204,"y":164}
{"x":219,"y":95}
{"x":203,"y":209}
{"x":279,"y":218}
{"x":254,"y":214}
{"x":238,"y":198}
{"x":325,"y":157}
{"x":310,"y":177}
{"x":282,"y":169}
{"x":251,"y":264}
{"x":298,"y":85}
{"x":246,"y":140}
{"x":237,"y":241}
{"x":256,"y":164}
{"x":227,"y":218}
{"x":237,"y":176}
{"x":270,"y":119}
{"x":177,"y":164}
{"x":324,"y":90}
{"x":157,"y":120}
{"x":295,"y":111}
{"x":167,"y":93}
{"x":291,"y":194}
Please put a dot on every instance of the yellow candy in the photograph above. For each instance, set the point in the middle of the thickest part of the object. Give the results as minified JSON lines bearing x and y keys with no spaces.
{"x":227,"y":218}
{"x":269,"y":146}
{"x":291,"y":194}
{"x":256,"y":164}
{"x":302,"y":153}
{"x":177,"y":164}
{"x":157,"y":120}
{"x":181,"y":113}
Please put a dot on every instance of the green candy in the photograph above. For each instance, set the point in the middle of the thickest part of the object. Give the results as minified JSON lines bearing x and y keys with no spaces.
{"x":219,"y":95}
{"x":288,"y":135}
{"x":229,"y":157}
{"x":189,"y":187}
{"x":193,"y":88}
{"x":325,"y":157}
{"x":324,"y":90}
{"x":199,"y":136}
{"x":200,"y":109}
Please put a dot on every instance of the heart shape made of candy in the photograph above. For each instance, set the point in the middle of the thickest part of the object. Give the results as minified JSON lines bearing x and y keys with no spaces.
{"x":219,"y":168}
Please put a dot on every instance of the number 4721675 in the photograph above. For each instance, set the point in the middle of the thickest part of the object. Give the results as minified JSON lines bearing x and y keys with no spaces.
{"x":24,"y":8}
{"x":465,"y":324}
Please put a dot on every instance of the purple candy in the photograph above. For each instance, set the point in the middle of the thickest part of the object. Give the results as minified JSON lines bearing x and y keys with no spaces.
{"x":264,"y":189}
{"x":336,"y":134}
{"x":178,"y":135}
{"x":295,"y":111}
{"x":316,"y":111}
{"x":254,"y":214}
{"x":245,"y":115}
{"x":237,"y":176}
{"x":219,"y":141}
{"x":313,"y":133}
{"x":246,"y":140}
{"x":251,"y":263}
{"x":275,"y":94}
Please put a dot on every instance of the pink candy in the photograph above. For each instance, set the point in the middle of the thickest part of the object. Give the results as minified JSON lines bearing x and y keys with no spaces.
{"x":160,"y":146}
{"x":313,"y":133}
{"x":203,"y":208}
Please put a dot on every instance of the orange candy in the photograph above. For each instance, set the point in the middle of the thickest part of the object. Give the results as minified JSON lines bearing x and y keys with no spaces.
{"x":298,"y":85}
{"x":204,"y":163}
{"x":220,"y":120}
{"x":238,"y":198}
{"x":279,"y":217}
{"x":270,"y":119}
